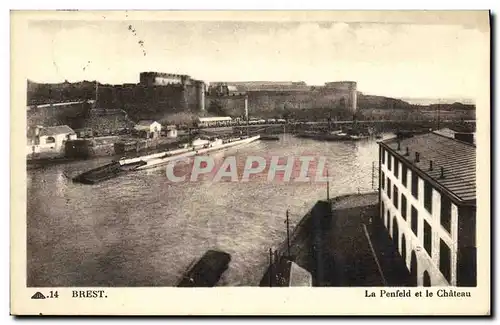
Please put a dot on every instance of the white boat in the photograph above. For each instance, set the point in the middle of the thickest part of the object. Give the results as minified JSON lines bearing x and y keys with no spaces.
{"x":198,"y":146}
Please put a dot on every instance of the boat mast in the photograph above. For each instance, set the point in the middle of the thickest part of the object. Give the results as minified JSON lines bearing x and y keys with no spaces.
{"x":288,"y":233}
{"x":246,"y":114}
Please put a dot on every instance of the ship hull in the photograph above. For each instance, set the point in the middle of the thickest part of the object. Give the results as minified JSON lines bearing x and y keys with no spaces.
{"x":117,"y":168}
{"x":155,"y":162}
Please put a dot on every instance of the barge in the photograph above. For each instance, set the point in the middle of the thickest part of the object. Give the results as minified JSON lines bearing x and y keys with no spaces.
{"x":333,"y":136}
{"x":197,"y":147}
{"x":270,"y":138}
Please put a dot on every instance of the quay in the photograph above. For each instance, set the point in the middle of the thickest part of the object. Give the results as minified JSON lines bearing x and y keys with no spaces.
{"x":341,"y":242}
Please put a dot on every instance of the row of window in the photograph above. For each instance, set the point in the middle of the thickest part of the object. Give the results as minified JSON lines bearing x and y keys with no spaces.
{"x":428,"y":189}
{"x":444,"y":249}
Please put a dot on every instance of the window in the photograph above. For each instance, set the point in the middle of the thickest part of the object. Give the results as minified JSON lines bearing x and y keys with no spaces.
{"x":382,"y":205}
{"x":403,"y":206}
{"x":389,"y":187}
{"x":428,"y":196}
{"x":395,"y":197}
{"x":404,"y":174}
{"x":382,"y":180}
{"x":414,"y":184}
{"x":389,"y":161}
{"x":445,"y":260}
{"x":396,"y":167}
{"x":382,"y":155}
{"x":446,"y":213}
{"x":414,"y":220}
{"x":50,"y":140}
{"x":428,"y":238}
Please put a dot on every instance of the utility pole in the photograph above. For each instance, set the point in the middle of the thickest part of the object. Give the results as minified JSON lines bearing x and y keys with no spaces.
{"x":373,"y":175}
{"x":439,"y":116}
{"x":288,"y":233}
{"x":270,"y":267}
{"x":327,"y":186}
{"x":246,"y":114}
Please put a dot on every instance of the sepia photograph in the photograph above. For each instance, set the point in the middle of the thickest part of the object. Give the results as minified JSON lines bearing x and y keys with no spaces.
{"x":252,"y":149}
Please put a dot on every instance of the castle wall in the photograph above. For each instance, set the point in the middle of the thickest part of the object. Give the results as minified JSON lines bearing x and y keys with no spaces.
{"x":73,"y":115}
{"x":270,"y":103}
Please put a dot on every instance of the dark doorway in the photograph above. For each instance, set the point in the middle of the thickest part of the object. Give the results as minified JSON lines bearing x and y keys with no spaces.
{"x":403,"y":248}
{"x":395,"y":233}
{"x":427,"y":279}
{"x":413,"y":269}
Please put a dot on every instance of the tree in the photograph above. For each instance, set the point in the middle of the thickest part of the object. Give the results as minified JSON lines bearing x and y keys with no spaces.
{"x":216,"y":108}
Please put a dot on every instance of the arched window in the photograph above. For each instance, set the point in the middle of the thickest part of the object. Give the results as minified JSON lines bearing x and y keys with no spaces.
{"x":403,"y":248}
{"x":413,"y":269}
{"x":50,"y":140}
{"x":395,"y":233}
{"x":427,"y":279}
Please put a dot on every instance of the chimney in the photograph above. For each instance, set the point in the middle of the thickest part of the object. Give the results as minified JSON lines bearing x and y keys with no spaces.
{"x":407,"y":151}
{"x":442,"y":173}
{"x":430,"y":164}
{"x":417,"y":157}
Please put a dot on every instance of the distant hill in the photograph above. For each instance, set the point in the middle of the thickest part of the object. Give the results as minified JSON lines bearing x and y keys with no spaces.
{"x":381,"y":102}
{"x":430,"y":101}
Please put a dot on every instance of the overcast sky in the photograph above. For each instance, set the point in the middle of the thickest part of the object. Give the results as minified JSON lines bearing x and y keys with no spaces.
{"x":399,"y":60}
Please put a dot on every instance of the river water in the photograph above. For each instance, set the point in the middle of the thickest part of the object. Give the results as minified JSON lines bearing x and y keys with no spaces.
{"x":141,"y":229}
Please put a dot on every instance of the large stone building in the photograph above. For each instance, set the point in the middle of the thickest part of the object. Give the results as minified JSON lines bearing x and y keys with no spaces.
{"x":428,"y":205}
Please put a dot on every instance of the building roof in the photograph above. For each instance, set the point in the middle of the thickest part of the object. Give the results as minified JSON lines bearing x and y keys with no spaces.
{"x":215,"y":119}
{"x":446,"y":132}
{"x":457,"y":158}
{"x":55,"y":130}
{"x":146,"y":122}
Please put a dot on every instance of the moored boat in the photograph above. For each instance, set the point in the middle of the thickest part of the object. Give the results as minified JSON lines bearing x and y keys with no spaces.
{"x":196,"y":147}
{"x":333,"y":136}
{"x":207,"y":271}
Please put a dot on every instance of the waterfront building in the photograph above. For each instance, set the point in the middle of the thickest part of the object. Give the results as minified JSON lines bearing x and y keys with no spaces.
{"x":171,"y":131}
{"x":49,"y":140}
{"x":150,"y":128}
{"x":427,"y":194}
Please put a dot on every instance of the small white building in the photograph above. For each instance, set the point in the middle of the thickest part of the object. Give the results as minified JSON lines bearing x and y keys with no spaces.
{"x":171,"y":131}
{"x":49,"y":139}
{"x":150,"y":127}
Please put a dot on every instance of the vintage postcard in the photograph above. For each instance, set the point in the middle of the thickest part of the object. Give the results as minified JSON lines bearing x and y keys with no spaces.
{"x":250,"y":163}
